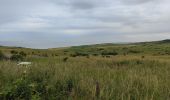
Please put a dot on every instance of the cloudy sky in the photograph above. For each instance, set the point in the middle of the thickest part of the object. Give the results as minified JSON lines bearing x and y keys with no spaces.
{"x":58,"y":23}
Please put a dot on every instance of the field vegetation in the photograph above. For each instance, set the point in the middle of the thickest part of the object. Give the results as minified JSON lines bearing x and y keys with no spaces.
{"x":136,"y":71}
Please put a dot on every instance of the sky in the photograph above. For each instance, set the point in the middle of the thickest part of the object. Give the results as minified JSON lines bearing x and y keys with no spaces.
{"x":60,"y":23}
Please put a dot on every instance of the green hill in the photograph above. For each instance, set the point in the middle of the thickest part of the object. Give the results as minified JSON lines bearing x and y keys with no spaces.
{"x":142,"y":48}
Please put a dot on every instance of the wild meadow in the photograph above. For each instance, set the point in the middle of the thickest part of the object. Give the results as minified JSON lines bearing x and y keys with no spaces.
{"x":98,"y":72}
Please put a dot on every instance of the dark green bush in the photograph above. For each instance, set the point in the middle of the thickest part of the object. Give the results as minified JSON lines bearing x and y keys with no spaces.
{"x":14,"y":52}
{"x":95,"y":54}
{"x":65,"y":59}
{"x":20,"y":90}
{"x":1,"y":55}
{"x":79,"y":54}
{"x":37,"y":88}
{"x":73,"y":55}
{"x":133,"y":51}
{"x":17,"y":57}
{"x":109,"y":53}
{"x":23,"y":54}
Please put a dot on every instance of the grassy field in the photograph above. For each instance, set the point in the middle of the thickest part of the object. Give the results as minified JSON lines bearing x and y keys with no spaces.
{"x":137,"y":71}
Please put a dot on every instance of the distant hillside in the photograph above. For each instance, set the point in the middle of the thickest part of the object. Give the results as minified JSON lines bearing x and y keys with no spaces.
{"x":95,"y":45}
{"x":140,"y":48}
{"x":124,"y":44}
{"x":164,"y":41}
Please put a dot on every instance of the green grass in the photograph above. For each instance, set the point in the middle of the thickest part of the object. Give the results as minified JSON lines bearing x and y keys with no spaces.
{"x":143,"y":75}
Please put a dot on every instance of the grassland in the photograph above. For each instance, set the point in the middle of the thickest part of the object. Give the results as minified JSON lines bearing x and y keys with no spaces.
{"x":137,"y":71}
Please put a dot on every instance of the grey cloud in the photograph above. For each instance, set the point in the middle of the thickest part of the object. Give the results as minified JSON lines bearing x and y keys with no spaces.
{"x":82,"y":4}
{"x":13,"y":10}
{"x":134,"y":2}
{"x":53,"y":23}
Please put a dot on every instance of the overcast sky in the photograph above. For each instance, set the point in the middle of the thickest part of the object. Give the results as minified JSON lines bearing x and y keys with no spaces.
{"x":58,"y":23}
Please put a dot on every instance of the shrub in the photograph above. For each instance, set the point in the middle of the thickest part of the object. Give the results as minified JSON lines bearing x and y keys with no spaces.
{"x":133,"y":51}
{"x":23,"y":54}
{"x":65,"y":59}
{"x":109,"y":53}
{"x":2,"y":56}
{"x":100,"y":49}
{"x":95,"y":54}
{"x":20,"y":90}
{"x":14,"y":52}
{"x":142,"y":57}
{"x":17,"y":57}
{"x":79,"y":54}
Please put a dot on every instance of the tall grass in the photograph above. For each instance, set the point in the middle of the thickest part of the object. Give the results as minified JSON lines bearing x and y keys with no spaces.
{"x":81,"y":78}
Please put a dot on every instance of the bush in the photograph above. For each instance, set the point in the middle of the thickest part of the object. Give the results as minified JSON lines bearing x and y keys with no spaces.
{"x":79,"y":54}
{"x":2,"y":56}
{"x":17,"y":57}
{"x":109,"y":53}
{"x":14,"y":52}
{"x":133,"y":51}
{"x":65,"y":59}
{"x":19,"y":90}
{"x":23,"y":54}
{"x":95,"y":54}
